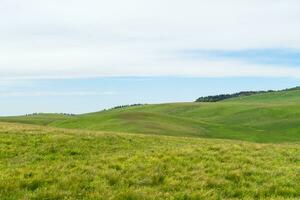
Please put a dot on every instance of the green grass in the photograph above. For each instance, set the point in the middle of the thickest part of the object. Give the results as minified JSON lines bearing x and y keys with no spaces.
{"x":37,"y":119}
{"x":271,"y":117}
{"x":38,"y":162}
{"x":97,"y":156}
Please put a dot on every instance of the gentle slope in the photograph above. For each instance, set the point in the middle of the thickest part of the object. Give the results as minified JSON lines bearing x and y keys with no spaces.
{"x":269,"y":117}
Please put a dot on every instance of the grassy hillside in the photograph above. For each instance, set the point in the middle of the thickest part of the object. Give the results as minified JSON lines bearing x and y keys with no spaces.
{"x":268,"y":117}
{"x":288,"y":96}
{"x":38,"y":119}
{"x":38,"y":162}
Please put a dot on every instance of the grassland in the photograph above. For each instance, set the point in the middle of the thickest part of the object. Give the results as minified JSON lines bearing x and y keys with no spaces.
{"x":240,"y":148}
{"x":37,"y":119}
{"x":270,"y":117}
{"x":39,"y":162}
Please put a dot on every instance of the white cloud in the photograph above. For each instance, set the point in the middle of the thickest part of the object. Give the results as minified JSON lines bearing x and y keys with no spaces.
{"x":61,"y":38}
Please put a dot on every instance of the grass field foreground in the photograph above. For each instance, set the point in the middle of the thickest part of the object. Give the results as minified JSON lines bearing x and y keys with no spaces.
{"x":47,"y":163}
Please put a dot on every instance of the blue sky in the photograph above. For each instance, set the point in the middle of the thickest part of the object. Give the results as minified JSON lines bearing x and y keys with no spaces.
{"x":88,"y":95}
{"x":272,"y":57}
{"x":92,"y":54}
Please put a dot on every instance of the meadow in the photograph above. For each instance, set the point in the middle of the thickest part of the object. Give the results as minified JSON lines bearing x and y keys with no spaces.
{"x":39,"y":162}
{"x":239,"y":148}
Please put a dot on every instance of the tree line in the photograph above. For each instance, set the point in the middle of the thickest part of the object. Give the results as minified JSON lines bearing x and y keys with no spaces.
{"x":221,"y":97}
{"x":66,"y":114}
{"x":126,"y":106}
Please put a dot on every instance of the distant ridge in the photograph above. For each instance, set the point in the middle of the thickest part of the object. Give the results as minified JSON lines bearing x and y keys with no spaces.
{"x":221,"y":97}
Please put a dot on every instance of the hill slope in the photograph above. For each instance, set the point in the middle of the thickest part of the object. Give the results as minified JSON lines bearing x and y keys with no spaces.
{"x":267,"y":117}
{"x":38,"y":162}
{"x":222,"y":97}
{"x":37,"y":119}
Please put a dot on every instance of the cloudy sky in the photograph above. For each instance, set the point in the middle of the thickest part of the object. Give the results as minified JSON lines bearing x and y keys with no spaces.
{"x":95,"y":41}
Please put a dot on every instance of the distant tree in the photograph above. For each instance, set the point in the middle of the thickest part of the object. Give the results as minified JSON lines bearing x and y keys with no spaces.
{"x":220,"y":97}
{"x":126,"y":106}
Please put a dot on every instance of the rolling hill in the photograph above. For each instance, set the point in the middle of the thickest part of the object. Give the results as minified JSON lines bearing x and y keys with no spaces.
{"x":266,"y":117}
{"x":127,"y":152}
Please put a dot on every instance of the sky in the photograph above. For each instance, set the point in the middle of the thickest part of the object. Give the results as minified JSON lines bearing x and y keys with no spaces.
{"x":81,"y":56}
